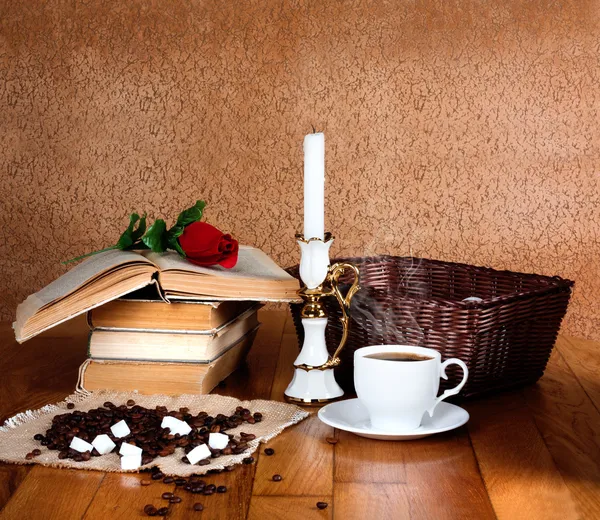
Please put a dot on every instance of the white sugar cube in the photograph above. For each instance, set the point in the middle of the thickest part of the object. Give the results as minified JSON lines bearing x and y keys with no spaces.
{"x":169,"y":422}
{"x":218,"y":441}
{"x":198,"y":453}
{"x":131,"y":461}
{"x":80,"y":445}
{"x":103,"y":444}
{"x":120,"y":429}
{"x":175,"y":425}
{"x":129,"y":449}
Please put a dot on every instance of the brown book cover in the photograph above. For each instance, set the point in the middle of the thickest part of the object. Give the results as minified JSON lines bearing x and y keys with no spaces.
{"x":161,"y":377}
{"x":186,"y":347}
{"x":159,"y":315}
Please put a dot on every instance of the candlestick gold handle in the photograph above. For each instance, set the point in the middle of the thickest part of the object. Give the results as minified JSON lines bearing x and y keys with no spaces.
{"x":335,"y":271}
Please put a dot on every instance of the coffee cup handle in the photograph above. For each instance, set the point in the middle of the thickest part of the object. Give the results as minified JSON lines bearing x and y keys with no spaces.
{"x":451,"y":391}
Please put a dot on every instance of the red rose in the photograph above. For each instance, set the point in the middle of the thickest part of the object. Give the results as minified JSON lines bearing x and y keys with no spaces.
{"x":205,"y":245}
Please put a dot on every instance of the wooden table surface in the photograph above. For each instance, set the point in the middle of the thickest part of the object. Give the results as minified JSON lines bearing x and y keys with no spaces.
{"x":533,"y":453}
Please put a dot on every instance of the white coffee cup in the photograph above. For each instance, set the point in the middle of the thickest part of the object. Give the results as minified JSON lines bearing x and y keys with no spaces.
{"x":397,"y":393}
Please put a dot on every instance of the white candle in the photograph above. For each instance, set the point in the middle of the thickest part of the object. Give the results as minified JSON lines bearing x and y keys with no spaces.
{"x":314,"y":186}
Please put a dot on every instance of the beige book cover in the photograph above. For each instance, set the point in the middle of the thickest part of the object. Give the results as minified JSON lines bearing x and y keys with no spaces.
{"x":112,"y":274}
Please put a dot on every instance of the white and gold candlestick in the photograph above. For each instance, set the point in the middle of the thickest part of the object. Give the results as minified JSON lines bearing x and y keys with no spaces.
{"x":314,"y":381}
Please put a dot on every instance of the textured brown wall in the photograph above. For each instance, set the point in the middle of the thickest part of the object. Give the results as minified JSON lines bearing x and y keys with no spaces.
{"x":463,"y":130}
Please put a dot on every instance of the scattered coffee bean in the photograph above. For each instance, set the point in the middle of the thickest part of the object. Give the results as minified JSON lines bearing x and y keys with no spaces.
{"x":198,"y":506}
{"x":168,"y":480}
{"x":204,"y":462}
{"x":207,"y":492}
{"x":148,"y":508}
{"x":163,"y":511}
{"x":331,"y":440}
{"x":167,"y":495}
{"x":70,"y":406}
{"x":269,"y":451}
{"x":277,"y":477}
{"x":145,"y":482}
{"x":175,"y":500}
{"x":29,"y":456}
{"x":38,"y":437}
{"x":130,"y":402}
{"x":36,"y":452}
{"x":180,"y":481}
{"x":157,"y":476}
{"x":221,"y":489}
{"x":322,"y":505}
{"x":248,"y":460}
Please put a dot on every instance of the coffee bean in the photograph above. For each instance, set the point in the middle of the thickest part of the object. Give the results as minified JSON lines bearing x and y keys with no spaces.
{"x":157,"y":476}
{"x":197,"y":490}
{"x":208,"y":492}
{"x":108,"y":404}
{"x":168,"y":480}
{"x":277,"y":478}
{"x":70,"y":406}
{"x":163,"y":511}
{"x":148,"y":508}
{"x":269,"y":451}
{"x":322,"y":505}
{"x":36,"y":452}
{"x":145,"y":482}
{"x":248,"y":460}
{"x":198,"y":506}
{"x":167,"y":495}
{"x":212,"y":487}
{"x":180,"y":481}
{"x":222,"y":489}
{"x":29,"y":456}
{"x":38,"y":437}
{"x":331,"y":440}
{"x":204,"y":462}
{"x":175,"y":500}
{"x":130,"y":402}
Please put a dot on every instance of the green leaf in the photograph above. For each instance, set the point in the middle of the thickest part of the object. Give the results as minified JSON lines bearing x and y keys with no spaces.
{"x":155,"y":238}
{"x":141,"y":229}
{"x":173,"y":243}
{"x":126,"y":239}
{"x":191,"y":215}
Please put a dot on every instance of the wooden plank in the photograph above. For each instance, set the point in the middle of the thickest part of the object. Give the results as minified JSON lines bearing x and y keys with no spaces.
{"x":520,"y":475}
{"x":120,"y":496}
{"x":11,"y":477}
{"x":570,"y":425}
{"x":290,"y":508}
{"x":50,"y":493}
{"x":252,"y":381}
{"x":443,"y":478}
{"x":33,"y":379}
{"x":302,"y":456}
{"x":367,"y":460}
{"x":371,"y":501}
{"x":583,"y":357}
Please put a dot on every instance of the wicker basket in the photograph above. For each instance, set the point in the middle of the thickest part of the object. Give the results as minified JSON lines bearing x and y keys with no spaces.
{"x":505,"y":340}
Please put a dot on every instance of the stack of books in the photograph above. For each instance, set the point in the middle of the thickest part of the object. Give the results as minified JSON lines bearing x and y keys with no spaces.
{"x":159,"y":324}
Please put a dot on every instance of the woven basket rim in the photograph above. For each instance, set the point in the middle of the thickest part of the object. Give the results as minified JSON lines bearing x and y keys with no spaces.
{"x":550,"y":283}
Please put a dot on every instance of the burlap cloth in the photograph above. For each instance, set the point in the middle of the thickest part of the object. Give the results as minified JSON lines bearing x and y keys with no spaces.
{"x":16,"y":435}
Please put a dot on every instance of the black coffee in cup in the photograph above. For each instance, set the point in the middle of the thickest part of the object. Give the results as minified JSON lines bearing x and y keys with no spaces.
{"x":398,"y":356}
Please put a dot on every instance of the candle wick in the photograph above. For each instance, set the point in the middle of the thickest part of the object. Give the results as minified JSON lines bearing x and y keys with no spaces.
{"x":314,"y":130}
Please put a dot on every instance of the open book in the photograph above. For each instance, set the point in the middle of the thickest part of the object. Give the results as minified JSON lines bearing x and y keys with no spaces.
{"x":107,"y":276}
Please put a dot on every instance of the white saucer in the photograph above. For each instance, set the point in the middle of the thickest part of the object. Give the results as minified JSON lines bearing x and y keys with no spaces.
{"x":352,"y":416}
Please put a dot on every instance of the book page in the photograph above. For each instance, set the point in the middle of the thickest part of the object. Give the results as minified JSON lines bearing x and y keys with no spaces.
{"x":252,"y":264}
{"x":80,"y":275}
